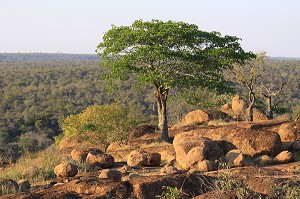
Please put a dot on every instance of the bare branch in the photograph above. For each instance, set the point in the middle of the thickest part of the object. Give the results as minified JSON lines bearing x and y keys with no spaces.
{"x":270,"y":91}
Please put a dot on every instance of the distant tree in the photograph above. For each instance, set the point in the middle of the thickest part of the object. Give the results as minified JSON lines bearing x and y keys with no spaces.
{"x":168,"y":55}
{"x":268,"y":93}
{"x":247,"y":74}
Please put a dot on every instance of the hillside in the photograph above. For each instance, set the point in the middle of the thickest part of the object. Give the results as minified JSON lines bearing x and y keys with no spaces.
{"x":38,"y":90}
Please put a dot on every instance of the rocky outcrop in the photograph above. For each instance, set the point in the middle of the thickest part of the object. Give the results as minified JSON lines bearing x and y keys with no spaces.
{"x":258,"y":115}
{"x":239,"y":107}
{"x":111,"y":174}
{"x":141,"y":130}
{"x":140,"y":158}
{"x":205,"y":166}
{"x":65,"y":170}
{"x":289,"y":132}
{"x":191,"y":149}
{"x":251,"y":142}
{"x":238,"y":110}
{"x":264,"y":160}
{"x":99,"y":159}
{"x":69,"y":143}
{"x":79,"y":154}
{"x":151,"y":187}
{"x":169,"y":169}
{"x":284,"y":157}
{"x":197,"y":116}
{"x":74,"y":142}
{"x":227,"y":109}
{"x":235,"y":158}
{"x":141,"y":184}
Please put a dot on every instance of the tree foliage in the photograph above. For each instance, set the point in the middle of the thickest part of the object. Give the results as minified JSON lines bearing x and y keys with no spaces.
{"x":169,"y":55}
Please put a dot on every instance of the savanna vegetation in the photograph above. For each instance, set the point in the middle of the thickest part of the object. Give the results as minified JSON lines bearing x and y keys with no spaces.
{"x":38,"y":91}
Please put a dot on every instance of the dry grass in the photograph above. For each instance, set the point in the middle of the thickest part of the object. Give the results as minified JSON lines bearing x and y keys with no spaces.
{"x":220,"y":122}
{"x":45,"y":161}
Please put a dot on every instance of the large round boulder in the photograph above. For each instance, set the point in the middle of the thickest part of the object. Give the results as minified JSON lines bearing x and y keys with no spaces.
{"x":99,"y":159}
{"x":251,"y":142}
{"x":235,"y":158}
{"x":69,"y":143}
{"x":79,"y":154}
{"x":258,"y":115}
{"x":111,"y":174}
{"x":140,"y":158}
{"x":197,"y":116}
{"x":205,"y":166}
{"x":65,"y":170}
{"x":191,"y":148}
{"x":284,"y":157}
{"x":239,"y":107}
{"x":141,"y":130}
{"x":137,"y":158}
{"x":289,"y":132}
{"x":264,"y":160}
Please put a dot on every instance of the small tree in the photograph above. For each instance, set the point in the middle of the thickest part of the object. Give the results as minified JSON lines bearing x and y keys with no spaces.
{"x":247,"y":74}
{"x":268,"y":93}
{"x":168,"y":55}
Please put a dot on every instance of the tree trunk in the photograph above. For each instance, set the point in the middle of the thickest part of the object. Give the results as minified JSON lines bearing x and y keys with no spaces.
{"x":269,"y":107}
{"x":251,"y":104}
{"x":161,"y":99}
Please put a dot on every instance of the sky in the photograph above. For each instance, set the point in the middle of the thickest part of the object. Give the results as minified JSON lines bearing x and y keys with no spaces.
{"x":77,"y":26}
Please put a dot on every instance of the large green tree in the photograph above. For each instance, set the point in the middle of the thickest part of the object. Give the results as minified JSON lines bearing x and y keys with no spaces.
{"x":169,"y":55}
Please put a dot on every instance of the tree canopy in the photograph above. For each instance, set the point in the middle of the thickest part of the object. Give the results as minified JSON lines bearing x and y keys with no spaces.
{"x":169,"y":55}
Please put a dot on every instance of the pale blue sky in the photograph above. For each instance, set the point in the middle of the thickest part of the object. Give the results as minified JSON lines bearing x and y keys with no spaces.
{"x":77,"y":26}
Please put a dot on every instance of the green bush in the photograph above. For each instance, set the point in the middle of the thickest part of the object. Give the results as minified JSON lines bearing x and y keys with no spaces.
{"x":287,"y":190}
{"x":101,"y":123}
{"x":172,"y":193}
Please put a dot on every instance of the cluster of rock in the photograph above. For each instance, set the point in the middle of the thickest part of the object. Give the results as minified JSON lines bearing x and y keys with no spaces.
{"x":203,"y":148}
{"x":95,"y":160}
{"x":238,"y":110}
{"x":237,"y":145}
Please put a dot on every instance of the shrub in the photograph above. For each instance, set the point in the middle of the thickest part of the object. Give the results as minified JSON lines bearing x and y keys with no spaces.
{"x":226,"y":182}
{"x":172,"y":193}
{"x":288,"y":190}
{"x":109,"y":123}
